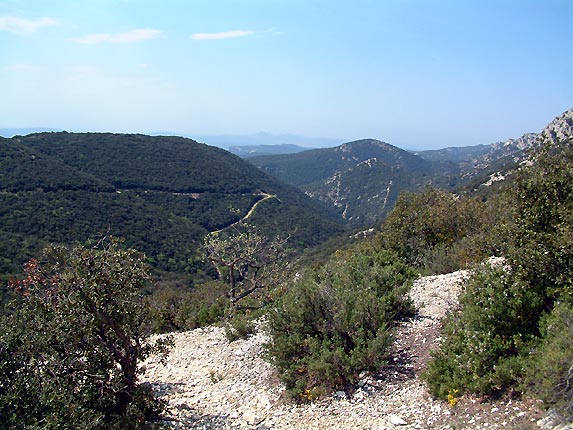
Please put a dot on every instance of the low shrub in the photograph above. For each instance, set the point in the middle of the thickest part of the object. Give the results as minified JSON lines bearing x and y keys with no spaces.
{"x":240,"y":326}
{"x":486,"y":341}
{"x":550,"y":372}
{"x":178,"y":309}
{"x":335,"y":321}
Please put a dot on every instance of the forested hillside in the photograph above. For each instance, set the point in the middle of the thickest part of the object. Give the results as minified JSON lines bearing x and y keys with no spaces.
{"x":162,"y":194}
{"x":359,"y":180}
{"x":330,"y":328}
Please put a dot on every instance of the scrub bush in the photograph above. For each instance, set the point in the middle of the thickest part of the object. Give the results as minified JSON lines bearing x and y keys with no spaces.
{"x":515,"y":327}
{"x":486,"y":340}
{"x":437,"y":231}
{"x":72,"y":345}
{"x":550,"y":373}
{"x":335,"y":321}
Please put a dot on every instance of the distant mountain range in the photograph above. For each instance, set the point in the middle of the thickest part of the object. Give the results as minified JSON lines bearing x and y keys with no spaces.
{"x":163,"y":194}
{"x":361,"y":180}
{"x":248,"y":151}
{"x":227,"y":141}
{"x":244,"y":145}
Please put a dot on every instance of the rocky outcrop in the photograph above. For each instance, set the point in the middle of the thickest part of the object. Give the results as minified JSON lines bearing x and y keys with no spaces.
{"x":502,"y":159}
{"x":560,"y":129}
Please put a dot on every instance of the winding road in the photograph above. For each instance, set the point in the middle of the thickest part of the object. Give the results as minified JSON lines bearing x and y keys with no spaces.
{"x":251,"y":210}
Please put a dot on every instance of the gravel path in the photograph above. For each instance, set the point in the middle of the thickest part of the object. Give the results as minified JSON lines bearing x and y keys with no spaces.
{"x":213,"y":384}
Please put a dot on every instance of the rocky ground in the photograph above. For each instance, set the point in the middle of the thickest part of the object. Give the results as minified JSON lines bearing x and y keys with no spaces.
{"x":210,"y":383}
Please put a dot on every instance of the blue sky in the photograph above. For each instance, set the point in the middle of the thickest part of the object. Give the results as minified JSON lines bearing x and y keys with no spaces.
{"x":417,"y":74}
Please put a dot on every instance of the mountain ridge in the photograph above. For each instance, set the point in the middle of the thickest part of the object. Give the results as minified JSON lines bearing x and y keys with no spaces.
{"x":360,"y":180}
{"x":502,"y":159}
{"x":363,"y":194}
{"x":163,"y":194}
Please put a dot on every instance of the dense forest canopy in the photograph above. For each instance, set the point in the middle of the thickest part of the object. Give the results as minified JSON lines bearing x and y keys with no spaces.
{"x":163,"y":194}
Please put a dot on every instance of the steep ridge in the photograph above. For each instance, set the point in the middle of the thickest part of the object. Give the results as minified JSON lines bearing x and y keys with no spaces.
{"x":359,"y":180}
{"x":560,"y":128}
{"x":503,"y":158}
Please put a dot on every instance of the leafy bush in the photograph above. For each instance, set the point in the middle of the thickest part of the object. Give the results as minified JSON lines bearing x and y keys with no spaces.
{"x":335,"y":322}
{"x":72,"y":344}
{"x":542,"y":251}
{"x":488,"y":344}
{"x":550,"y":373}
{"x":485,"y":339}
{"x":543,"y":257}
{"x":431,"y":230}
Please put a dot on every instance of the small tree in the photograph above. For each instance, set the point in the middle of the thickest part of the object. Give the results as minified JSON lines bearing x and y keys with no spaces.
{"x":245,"y":259}
{"x":70,"y":355}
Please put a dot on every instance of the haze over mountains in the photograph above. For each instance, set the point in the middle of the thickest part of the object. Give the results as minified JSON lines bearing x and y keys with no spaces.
{"x":248,"y":151}
{"x":243,"y":145}
{"x":361,"y":180}
{"x":163,"y":194}
{"x":227,"y":141}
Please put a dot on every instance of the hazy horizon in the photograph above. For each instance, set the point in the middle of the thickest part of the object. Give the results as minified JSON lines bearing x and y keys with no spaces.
{"x":413,"y":73}
{"x":226,"y":141}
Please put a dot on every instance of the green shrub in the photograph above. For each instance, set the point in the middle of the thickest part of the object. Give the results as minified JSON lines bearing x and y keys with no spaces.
{"x":550,"y":372}
{"x":542,"y":248}
{"x":442,"y":258}
{"x":487,"y":345}
{"x":437,"y":231}
{"x":335,"y":322}
{"x":177,"y":309}
{"x":71,"y":346}
{"x":486,"y":340}
{"x":239,"y":327}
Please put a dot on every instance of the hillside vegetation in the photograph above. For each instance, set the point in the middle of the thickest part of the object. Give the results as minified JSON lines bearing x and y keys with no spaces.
{"x":329,"y":324}
{"x":163,"y":194}
{"x":510,"y":331}
{"x":510,"y":335}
